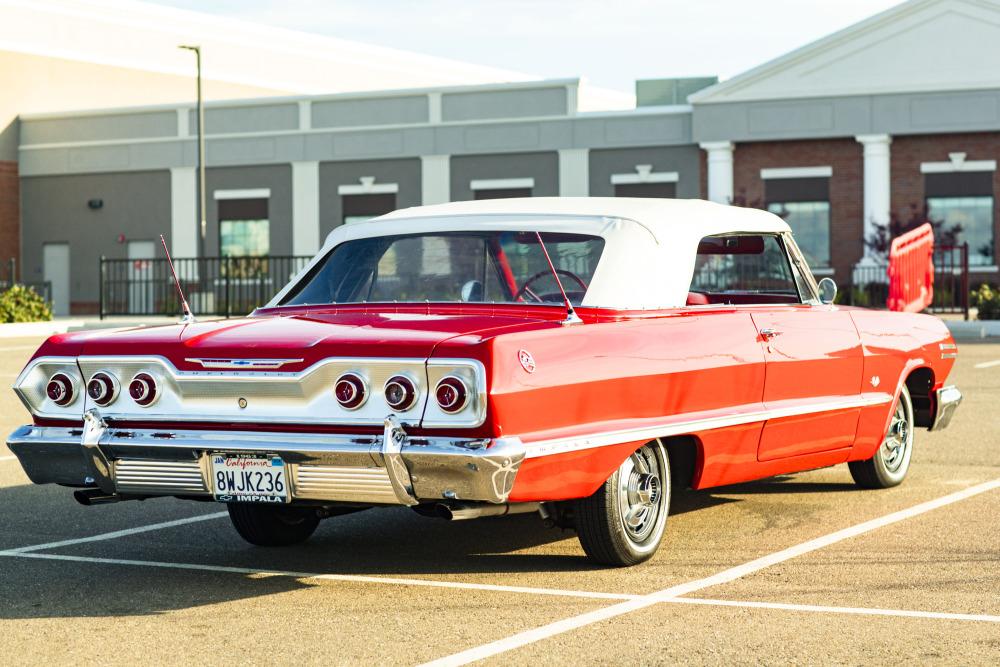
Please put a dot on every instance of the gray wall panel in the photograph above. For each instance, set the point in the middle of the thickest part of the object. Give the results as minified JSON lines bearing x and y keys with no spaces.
{"x":334,"y":174}
{"x":54,"y":209}
{"x":365,"y":144}
{"x":106,"y":127}
{"x":916,"y":113}
{"x":685,"y":160}
{"x":543,"y":167}
{"x":276,"y":177}
{"x":248,"y":118}
{"x":370,"y":111}
{"x":504,"y":104}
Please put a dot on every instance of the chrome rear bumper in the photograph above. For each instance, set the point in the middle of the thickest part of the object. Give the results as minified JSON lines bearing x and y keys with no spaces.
{"x":946,"y":401}
{"x":391,"y":469}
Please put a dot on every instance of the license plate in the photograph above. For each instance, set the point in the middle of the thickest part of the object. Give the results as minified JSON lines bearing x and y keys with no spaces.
{"x":249,"y":478}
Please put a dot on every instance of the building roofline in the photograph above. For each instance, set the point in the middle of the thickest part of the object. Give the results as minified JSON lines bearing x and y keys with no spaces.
{"x":874,"y":22}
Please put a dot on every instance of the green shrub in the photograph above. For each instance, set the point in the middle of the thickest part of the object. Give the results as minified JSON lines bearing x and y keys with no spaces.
{"x":987,"y":300}
{"x":23,"y":304}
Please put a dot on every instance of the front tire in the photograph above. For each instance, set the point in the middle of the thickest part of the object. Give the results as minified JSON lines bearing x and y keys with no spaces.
{"x":622,"y":523}
{"x":273,"y":526}
{"x":892,"y":460}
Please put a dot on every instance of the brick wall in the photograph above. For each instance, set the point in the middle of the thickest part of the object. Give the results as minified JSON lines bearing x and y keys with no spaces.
{"x":846,"y":184}
{"x":10,"y":215}
{"x":908,"y":183}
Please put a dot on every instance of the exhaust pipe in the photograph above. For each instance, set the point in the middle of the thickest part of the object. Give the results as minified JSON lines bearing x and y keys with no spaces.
{"x":91,"y":497}
{"x":463,"y":511}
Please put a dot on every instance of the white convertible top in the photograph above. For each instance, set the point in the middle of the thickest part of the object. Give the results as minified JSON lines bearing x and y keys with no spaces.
{"x":650,"y":244}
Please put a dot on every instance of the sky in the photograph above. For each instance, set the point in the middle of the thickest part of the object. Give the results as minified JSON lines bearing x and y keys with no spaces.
{"x":610,"y":43}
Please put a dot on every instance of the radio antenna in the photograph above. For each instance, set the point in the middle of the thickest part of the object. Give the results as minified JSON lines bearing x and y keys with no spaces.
{"x":571,"y":316}
{"x":187,"y":317}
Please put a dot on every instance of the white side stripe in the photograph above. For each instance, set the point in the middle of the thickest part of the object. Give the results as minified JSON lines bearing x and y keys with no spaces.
{"x":669,"y":594}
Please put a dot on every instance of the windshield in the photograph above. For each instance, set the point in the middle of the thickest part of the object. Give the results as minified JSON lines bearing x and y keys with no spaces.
{"x":472,"y":267}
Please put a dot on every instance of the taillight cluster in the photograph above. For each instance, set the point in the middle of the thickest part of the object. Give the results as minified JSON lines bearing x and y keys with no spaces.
{"x":103,"y":389}
{"x":401,"y":393}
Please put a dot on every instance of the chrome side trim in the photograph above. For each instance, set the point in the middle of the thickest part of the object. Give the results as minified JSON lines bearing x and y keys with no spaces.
{"x":947,"y":400}
{"x":705,"y":421}
{"x":947,"y":346}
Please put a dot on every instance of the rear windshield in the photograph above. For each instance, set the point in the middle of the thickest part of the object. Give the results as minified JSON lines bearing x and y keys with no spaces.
{"x":472,"y":267}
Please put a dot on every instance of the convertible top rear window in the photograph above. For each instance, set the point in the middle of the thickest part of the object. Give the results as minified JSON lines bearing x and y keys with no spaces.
{"x":480,"y":267}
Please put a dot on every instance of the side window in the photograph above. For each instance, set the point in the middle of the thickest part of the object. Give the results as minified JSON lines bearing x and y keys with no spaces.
{"x":743,"y":269}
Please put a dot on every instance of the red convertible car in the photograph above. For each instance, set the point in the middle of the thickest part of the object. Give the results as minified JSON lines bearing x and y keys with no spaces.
{"x":577,"y":358}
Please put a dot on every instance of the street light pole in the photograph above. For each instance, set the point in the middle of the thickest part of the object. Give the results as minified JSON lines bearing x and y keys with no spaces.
{"x":203,"y":225}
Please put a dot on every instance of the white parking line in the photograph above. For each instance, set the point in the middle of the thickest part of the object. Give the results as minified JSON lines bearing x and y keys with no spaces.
{"x":112,"y":535}
{"x":667,"y":594}
{"x":358,"y":578}
{"x":988,"y":364}
{"x":866,"y":611}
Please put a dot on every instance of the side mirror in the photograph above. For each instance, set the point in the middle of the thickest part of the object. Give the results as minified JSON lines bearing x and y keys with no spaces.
{"x":827,"y":290}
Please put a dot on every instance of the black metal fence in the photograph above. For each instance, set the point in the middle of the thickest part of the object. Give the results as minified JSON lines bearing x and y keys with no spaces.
{"x":218,"y":286}
{"x":868,"y":285}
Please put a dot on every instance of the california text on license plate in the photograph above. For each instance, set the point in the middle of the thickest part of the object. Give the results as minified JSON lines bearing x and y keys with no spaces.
{"x":249,"y":478}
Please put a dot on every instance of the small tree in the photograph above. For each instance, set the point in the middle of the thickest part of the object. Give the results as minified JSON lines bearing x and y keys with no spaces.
{"x":881,"y":240}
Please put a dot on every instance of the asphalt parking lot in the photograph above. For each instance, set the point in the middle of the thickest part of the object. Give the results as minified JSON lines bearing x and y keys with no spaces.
{"x":798,"y":569}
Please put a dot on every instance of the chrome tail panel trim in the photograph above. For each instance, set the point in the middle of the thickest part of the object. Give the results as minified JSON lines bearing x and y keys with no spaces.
{"x":343,"y":484}
{"x":140,"y":476}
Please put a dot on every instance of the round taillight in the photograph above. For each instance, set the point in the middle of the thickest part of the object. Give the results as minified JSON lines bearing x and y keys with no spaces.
{"x":351,"y":391}
{"x":400,"y":393}
{"x":102,"y":388}
{"x":60,"y":389}
{"x":451,"y":394}
{"x":142,"y":389}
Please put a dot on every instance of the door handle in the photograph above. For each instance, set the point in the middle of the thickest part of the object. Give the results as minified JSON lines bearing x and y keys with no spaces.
{"x":768,"y":333}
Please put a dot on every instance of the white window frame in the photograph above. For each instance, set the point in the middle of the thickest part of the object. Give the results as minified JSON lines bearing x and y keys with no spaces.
{"x":957,"y":163}
{"x":249,"y":193}
{"x":368,"y":186}
{"x":502,"y":184}
{"x":644,"y":174}
{"x":775,"y":173}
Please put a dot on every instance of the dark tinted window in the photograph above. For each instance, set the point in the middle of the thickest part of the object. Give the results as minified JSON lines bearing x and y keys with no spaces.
{"x":464,"y":266}
{"x":745,"y":268}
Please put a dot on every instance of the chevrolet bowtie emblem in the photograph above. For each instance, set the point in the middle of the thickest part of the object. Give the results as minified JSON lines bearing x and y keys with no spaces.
{"x":257,"y":364}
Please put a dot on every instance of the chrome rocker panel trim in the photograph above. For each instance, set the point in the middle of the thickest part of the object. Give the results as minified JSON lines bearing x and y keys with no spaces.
{"x":322,"y":467}
{"x":947,"y":400}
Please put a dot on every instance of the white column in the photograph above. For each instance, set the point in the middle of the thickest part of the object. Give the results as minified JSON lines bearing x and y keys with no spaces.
{"x":435,"y":175}
{"x":574,"y":172}
{"x":183,"y":212}
{"x":720,"y":170}
{"x":305,"y":208}
{"x":877,"y":183}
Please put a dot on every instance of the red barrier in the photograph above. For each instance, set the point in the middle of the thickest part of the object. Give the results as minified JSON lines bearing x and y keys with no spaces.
{"x":911,"y":270}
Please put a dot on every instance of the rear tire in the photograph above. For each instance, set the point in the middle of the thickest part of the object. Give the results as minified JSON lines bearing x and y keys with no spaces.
{"x":891,"y":462}
{"x":273,"y":526}
{"x":623,"y":522}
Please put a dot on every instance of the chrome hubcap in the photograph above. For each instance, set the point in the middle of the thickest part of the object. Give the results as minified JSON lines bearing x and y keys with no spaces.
{"x":640,"y":493}
{"x":897,"y":440}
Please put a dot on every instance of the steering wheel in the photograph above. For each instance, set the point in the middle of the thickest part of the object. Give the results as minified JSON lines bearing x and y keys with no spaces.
{"x":526,"y":287}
